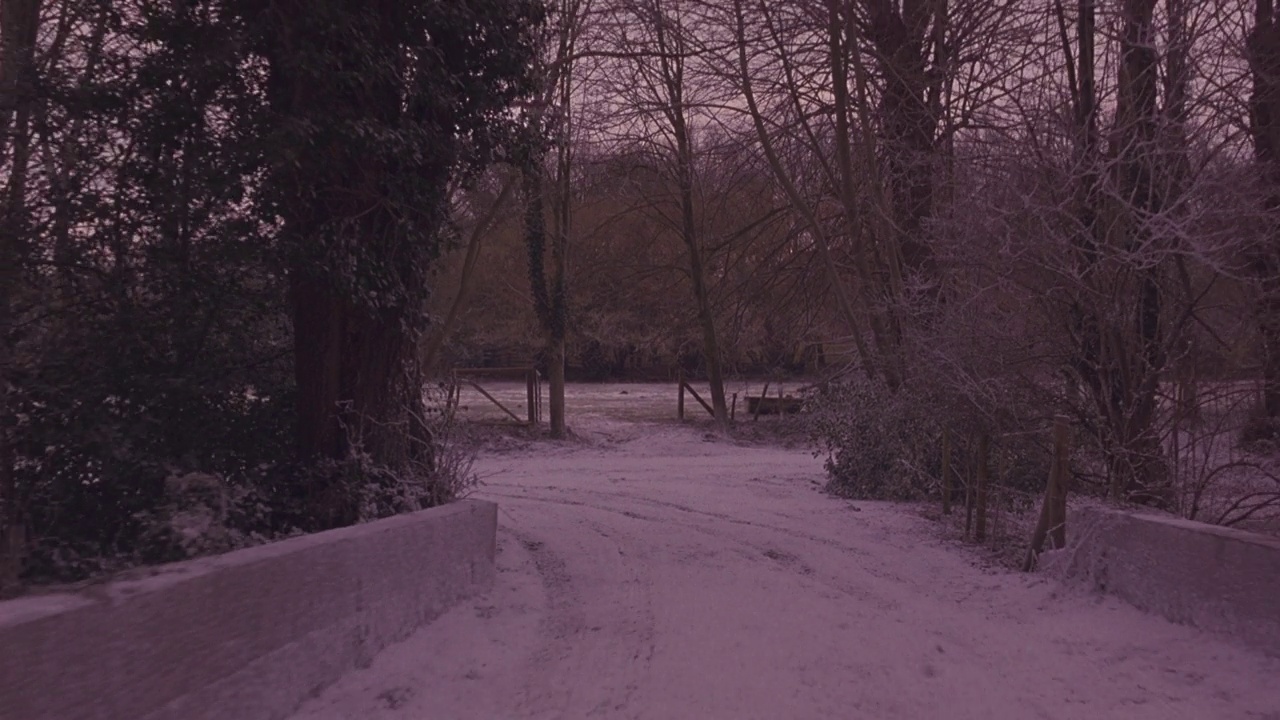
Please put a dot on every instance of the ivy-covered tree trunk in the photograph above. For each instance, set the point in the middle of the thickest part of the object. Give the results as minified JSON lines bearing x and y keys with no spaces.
{"x":354,"y":378}
{"x":555,"y":382}
{"x":348,"y":346}
{"x":555,"y":116}
{"x":317,"y":352}
{"x":550,"y":299}
{"x":378,"y":107}
{"x":560,"y":270}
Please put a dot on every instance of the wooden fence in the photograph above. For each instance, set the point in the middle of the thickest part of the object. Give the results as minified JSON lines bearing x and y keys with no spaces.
{"x":757,"y":405}
{"x":533,"y":386}
{"x":983,"y":499}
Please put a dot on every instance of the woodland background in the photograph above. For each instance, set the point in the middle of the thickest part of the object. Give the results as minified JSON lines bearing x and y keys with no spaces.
{"x":238,"y":239}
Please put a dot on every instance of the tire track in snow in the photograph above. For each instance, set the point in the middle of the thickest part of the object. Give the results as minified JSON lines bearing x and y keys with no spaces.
{"x":789,"y":559}
{"x":961,"y":653}
{"x":657,"y":581}
{"x":597,"y":636}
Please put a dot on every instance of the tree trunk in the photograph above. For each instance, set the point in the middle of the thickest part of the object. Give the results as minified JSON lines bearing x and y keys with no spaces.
{"x":673,"y":76}
{"x":1141,"y":360}
{"x":909,"y":123}
{"x":710,"y":343}
{"x":882,"y":297}
{"x":356,"y":367}
{"x":564,"y":225}
{"x":706,"y":314}
{"x":19,"y":23}
{"x":555,"y":377}
{"x":355,"y":381}
{"x":549,"y":303}
{"x":1120,"y":358}
{"x":318,"y":325}
{"x":844,"y":298}
{"x":1264,"y":59}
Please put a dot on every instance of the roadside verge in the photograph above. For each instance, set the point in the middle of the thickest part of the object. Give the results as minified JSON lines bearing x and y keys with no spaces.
{"x":1219,"y":579}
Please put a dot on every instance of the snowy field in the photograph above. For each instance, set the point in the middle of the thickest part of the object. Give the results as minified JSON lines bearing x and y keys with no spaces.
{"x":591,"y":405}
{"x":650,"y":570}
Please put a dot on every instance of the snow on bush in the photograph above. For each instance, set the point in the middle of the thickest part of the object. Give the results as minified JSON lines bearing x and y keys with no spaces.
{"x":880,"y":444}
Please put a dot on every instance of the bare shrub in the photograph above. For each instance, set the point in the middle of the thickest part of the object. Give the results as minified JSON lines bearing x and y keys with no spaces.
{"x":1226,"y":471}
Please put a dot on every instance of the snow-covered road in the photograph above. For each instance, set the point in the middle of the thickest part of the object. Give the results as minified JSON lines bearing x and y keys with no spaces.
{"x":666,"y":575}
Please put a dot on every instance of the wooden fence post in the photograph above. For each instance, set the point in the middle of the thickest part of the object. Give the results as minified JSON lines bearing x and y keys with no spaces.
{"x":680,"y":401}
{"x":996,"y":499}
{"x":1058,"y":518}
{"x":969,"y":492}
{"x":980,"y":524}
{"x":946,"y":471}
{"x":1000,"y":495}
{"x":1053,"y":516}
{"x":532,"y":398}
{"x":760,"y":405}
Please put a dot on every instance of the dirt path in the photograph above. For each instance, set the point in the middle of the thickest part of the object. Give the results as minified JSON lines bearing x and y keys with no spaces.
{"x":667,"y":576}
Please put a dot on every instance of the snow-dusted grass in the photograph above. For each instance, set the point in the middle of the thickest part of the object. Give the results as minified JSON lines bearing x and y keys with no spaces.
{"x":657,"y":571}
{"x":590,"y":403}
{"x":1219,"y":478}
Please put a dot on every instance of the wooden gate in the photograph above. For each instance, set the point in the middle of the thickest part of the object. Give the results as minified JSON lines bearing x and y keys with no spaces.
{"x":533,"y":388}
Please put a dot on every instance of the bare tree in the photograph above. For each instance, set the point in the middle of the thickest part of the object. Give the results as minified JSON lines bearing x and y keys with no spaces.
{"x":555,"y":117}
{"x":656,"y":48}
{"x":482,"y":225}
{"x":869,"y":96}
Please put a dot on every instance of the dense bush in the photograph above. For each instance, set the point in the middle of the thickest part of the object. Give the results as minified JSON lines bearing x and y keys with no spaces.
{"x":887,"y":445}
{"x":86,"y":524}
{"x":216,"y":251}
{"x":880,"y":444}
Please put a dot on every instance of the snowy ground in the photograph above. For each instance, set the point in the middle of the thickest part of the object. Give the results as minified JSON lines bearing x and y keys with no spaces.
{"x":652,"y":571}
{"x":594,"y":404}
